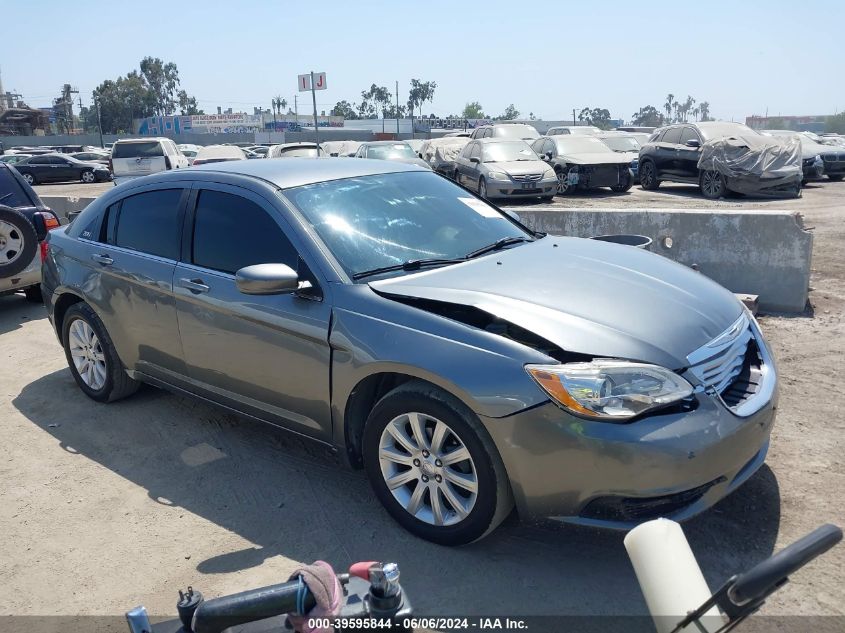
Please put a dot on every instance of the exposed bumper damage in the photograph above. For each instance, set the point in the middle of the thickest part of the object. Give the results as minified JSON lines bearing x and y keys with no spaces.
{"x":589,"y":176}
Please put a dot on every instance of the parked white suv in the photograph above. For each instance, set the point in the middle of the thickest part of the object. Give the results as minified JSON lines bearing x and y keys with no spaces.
{"x":135,"y":157}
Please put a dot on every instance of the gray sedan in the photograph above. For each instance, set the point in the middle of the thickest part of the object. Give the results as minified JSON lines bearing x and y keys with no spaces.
{"x":497,"y":168}
{"x":467,"y":363}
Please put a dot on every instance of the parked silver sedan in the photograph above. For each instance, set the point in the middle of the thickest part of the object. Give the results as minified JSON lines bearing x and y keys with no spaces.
{"x":498,"y":168}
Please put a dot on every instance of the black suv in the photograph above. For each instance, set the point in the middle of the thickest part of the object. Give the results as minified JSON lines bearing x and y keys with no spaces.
{"x":672,"y":154}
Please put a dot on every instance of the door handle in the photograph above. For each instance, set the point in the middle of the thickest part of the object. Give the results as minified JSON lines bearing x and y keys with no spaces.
{"x":105,"y":260}
{"x":194,"y":285}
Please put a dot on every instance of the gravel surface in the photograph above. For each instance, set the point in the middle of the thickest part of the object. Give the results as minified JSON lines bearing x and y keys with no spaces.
{"x":103,"y":507}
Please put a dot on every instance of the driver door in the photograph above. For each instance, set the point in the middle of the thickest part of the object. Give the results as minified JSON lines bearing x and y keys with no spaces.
{"x":265,"y":355}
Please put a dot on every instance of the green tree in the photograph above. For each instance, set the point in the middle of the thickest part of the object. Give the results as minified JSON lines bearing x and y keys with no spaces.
{"x":390,"y":112}
{"x":509,"y":114}
{"x":420,"y":93}
{"x":704,"y":111}
{"x":835,"y":123}
{"x":473,"y":110}
{"x":647,"y":116}
{"x":187,"y":104}
{"x":163,"y":80}
{"x":668,"y":106}
{"x":345,"y":109}
{"x":600,"y":117}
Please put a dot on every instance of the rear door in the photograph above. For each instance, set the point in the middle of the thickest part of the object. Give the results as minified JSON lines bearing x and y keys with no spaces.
{"x":137,"y":158}
{"x":666,"y":153}
{"x":264,"y":355}
{"x":132,"y":261}
{"x":687,"y":157}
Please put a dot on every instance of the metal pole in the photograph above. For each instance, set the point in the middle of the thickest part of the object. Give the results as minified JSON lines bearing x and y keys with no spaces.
{"x":296,"y":108}
{"x":314,"y":101}
{"x":99,"y":123}
{"x":397,"y":110}
{"x":573,"y":117}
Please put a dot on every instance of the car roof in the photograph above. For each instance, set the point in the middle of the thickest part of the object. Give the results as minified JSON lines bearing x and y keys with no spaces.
{"x":148,"y":139}
{"x":294,"y":172}
{"x":369,"y":143}
{"x":501,"y":139}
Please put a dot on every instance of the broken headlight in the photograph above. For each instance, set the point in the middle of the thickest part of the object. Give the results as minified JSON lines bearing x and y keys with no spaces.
{"x":608,"y":389}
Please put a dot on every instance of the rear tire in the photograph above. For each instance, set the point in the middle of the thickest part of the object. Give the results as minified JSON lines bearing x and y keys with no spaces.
{"x":712,"y":184}
{"x":18,"y":241}
{"x":92,"y":357}
{"x":648,"y":176}
{"x":424,"y":497}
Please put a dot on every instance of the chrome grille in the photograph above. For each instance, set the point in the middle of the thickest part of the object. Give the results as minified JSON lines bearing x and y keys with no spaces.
{"x":718,"y":363}
{"x":527,"y":178}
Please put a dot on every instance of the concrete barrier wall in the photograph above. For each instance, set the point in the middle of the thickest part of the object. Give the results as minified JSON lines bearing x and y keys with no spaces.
{"x":760,"y":252}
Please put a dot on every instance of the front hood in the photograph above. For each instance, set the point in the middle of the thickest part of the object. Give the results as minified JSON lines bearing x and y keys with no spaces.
{"x":519,"y":167}
{"x":596,"y":158}
{"x":586,"y":296}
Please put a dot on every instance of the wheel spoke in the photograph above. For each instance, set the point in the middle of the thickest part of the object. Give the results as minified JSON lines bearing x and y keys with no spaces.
{"x":402,"y":478}
{"x":391,"y":453}
{"x":399,"y":435}
{"x":436,"y":505}
{"x":454,"y":500}
{"x":415,"y":502}
{"x":418,"y":429}
{"x":466,"y":481}
{"x":440,"y":433}
{"x":456,"y":456}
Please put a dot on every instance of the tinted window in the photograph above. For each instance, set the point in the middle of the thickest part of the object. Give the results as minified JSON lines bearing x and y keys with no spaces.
{"x":688,"y":134}
{"x":12,"y":193}
{"x":58,"y":160}
{"x":231,"y":232}
{"x":38,"y":160}
{"x":149,"y":223}
{"x":145,"y":149}
{"x":672,"y":135}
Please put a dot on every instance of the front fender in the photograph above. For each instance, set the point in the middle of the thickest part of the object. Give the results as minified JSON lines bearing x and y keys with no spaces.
{"x":490,"y":382}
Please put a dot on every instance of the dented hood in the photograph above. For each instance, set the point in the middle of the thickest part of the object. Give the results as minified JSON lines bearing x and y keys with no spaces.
{"x":586,"y":296}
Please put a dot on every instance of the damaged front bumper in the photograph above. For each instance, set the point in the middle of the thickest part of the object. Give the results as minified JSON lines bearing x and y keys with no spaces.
{"x":591,"y":176}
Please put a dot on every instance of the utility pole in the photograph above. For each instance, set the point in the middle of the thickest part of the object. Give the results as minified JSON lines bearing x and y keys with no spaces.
{"x":573,"y":117}
{"x":397,"y":110}
{"x":296,"y":109}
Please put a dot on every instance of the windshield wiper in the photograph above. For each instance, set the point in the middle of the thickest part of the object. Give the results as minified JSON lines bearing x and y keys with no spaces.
{"x":498,"y":245}
{"x":411,"y":264}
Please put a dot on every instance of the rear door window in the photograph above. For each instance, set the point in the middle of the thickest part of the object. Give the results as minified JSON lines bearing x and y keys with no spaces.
{"x":12,"y":193}
{"x":231,"y":232}
{"x":672,"y":136}
{"x":149,"y":222}
{"x":144,"y":149}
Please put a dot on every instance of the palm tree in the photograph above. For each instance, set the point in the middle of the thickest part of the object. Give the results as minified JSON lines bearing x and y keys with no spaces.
{"x":670,"y":99}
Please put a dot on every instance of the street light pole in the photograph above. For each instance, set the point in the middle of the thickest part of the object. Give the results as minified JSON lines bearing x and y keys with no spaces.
{"x":99,"y":121}
{"x":314,"y":101}
{"x":397,"y":111}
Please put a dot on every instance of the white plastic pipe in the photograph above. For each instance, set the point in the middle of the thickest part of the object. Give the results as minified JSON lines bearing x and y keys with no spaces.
{"x":669,"y":575}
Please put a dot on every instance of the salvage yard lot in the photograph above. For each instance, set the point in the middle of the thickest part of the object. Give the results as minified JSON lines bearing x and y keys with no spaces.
{"x":106,"y":506}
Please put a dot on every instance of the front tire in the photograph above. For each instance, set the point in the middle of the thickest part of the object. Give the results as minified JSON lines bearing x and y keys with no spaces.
{"x":88,"y":177}
{"x":624,"y":186}
{"x":482,"y":188}
{"x":433,"y":466}
{"x":30,"y":179}
{"x":563,"y":186}
{"x":712,"y":184}
{"x":92,"y":358}
{"x":836,"y":177}
{"x":648,"y":176}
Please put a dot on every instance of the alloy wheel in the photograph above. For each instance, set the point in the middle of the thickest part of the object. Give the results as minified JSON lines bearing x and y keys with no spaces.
{"x":562,"y":182}
{"x":428,"y":469}
{"x":712,"y":184}
{"x":88,"y":176}
{"x":482,"y":189}
{"x":30,"y":180}
{"x":646,"y":174}
{"x":11,"y":243}
{"x":87,"y":354}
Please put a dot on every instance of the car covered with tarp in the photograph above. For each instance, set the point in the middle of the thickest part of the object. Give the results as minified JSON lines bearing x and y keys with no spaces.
{"x":440,"y":153}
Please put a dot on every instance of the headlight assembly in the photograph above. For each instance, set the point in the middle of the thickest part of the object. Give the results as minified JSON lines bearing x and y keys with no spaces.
{"x":613,"y":390}
{"x":498,"y":175}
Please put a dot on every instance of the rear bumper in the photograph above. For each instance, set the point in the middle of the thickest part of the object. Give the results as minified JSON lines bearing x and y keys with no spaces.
{"x":29,"y":276}
{"x":619,"y":475}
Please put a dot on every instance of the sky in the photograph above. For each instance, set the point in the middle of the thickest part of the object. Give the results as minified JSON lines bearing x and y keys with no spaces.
{"x":744,"y":57}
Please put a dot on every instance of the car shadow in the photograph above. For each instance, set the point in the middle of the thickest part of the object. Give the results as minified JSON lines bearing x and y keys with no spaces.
{"x":290,"y":497}
{"x":16,"y":310}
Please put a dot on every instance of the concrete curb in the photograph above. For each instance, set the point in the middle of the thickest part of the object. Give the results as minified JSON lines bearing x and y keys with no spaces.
{"x":759,"y":252}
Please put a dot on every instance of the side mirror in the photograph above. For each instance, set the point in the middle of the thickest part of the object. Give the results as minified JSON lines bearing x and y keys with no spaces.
{"x":693,"y":143}
{"x":266,"y":279}
{"x":474,"y":159}
{"x":547,"y":156}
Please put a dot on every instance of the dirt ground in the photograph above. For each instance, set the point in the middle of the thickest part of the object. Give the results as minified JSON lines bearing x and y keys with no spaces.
{"x":103,"y":507}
